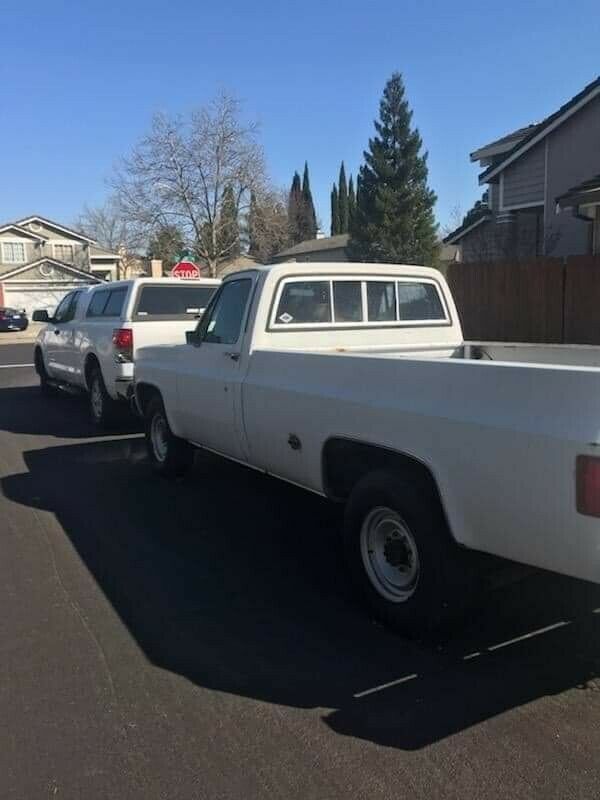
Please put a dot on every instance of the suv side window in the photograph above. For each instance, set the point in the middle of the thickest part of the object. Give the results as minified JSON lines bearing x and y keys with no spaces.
{"x":224,"y":321}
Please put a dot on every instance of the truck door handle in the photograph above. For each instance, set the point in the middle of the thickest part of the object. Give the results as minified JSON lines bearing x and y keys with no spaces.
{"x":233,"y":356}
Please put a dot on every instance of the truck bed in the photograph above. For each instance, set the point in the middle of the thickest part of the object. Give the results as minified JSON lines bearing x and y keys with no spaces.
{"x":559,"y":355}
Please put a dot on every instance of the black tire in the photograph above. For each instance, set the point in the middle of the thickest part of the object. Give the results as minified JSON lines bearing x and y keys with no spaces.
{"x":46,"y":387}
{"x":171,"y":456}
{"x":103,"y":409}
{"x":441,"y":585}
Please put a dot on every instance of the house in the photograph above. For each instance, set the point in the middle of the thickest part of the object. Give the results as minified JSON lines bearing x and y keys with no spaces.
{"x":538,"y":179}
{"x":42,"y":260}
{"x":335,"y":248}
{"x":326,"y":248}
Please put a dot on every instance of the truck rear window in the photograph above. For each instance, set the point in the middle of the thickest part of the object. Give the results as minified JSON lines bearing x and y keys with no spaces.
{"x":172,"y":302}
{"x":358,"y":302}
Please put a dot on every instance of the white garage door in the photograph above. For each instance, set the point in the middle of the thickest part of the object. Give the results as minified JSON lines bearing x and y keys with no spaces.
{"x":32,"y":299}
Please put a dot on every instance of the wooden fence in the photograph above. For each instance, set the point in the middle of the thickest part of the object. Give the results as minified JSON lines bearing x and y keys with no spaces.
{"x":542,"y":300}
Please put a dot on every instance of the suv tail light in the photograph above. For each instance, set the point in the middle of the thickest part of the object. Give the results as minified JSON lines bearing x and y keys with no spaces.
{"x":588,"y":485}
{"x":122,"y":340}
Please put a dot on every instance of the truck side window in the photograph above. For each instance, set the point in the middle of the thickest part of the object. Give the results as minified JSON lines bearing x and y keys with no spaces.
{"x":347,"y":301}
{"x":381,"y":301}
{"x":97,"y":303}
{"x":115,"y":302}
{"x":225,"y":321}
{"x":61,"y":313}
{"x":307,"y":302}
{"x":419,"y":301}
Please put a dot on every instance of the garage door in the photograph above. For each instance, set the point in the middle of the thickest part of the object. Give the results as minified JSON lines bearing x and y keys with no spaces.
{"x":32,"y":299}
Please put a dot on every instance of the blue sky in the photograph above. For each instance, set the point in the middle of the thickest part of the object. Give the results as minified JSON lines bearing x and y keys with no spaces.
{"x":82,"y":80}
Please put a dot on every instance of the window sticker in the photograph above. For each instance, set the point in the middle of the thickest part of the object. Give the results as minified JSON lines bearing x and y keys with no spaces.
{"x":286,"y":317}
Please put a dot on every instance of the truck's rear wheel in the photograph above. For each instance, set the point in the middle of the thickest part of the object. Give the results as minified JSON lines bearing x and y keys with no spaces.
{"x":401,"y":555}
{"x":169,"y":454}
{"x":103,"y":409}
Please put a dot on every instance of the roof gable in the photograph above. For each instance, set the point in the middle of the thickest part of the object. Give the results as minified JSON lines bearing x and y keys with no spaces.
{"x":63,"y":229}
{"x":69,"y":270}
{"x":17,"y":229}
{"x":545,"y":127}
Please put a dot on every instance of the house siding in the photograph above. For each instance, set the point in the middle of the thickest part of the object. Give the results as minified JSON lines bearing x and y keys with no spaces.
{"x":573,"y":156}
{"x":523,"y":182}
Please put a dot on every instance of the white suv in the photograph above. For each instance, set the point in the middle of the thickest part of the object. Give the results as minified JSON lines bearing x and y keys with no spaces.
{"x":91,"y":340}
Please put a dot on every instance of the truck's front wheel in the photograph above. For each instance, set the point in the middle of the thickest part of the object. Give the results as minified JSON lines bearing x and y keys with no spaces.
{"x":401,"y":555}
{"x":169,"y":454}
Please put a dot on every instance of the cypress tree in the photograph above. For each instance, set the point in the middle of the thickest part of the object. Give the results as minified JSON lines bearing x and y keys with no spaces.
{"x":229,"y":229}
{"x":335,"y":218}
{"x":309,"y":211}
{"x":295,"y":206}
{"x":343,"y":200}
{"x":394,"y":218}
{"x":351,"y":202}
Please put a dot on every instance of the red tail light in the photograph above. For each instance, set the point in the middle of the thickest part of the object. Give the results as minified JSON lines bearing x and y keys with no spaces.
{"x":122,"y":340}
{"x":588,"y":485}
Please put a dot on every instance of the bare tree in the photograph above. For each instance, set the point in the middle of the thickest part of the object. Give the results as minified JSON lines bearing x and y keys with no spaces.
{"x":268,"y":225}
{"x":108,"y":226}
{"x":178,"y":174}
{"x":455,"y":220}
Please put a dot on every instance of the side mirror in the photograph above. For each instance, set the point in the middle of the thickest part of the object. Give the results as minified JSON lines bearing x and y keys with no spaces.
{"x":41,"y":316}
{"x":191,"y":337}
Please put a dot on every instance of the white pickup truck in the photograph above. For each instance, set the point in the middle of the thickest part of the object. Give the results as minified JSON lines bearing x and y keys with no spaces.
{"x":353,"y":381}
{"x":91,"y":340}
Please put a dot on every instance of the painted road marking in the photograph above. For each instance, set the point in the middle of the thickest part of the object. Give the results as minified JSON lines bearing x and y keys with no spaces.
{"x":386,"y":685}
{"x":12,"y":366}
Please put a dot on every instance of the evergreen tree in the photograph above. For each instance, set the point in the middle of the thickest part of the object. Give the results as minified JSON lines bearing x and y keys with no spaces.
{"x":228,"y":230}
{"x":351,"y":202}
{"x":167,"y":244}
{"x":394,"y":218}
{"x":309,"y":211}
{"x":335,"y":218}
{"x":295,"y":206}
{"x":301,"y":210}
{"x":343,"y":200}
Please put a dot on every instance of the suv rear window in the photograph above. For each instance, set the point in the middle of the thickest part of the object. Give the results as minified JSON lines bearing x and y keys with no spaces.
{"x":172,"y":302}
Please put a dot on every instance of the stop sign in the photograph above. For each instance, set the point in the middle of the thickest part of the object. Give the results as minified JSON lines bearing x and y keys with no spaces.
{"x":186,"y":270}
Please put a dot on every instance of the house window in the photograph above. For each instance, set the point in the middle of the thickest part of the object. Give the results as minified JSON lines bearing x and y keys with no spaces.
{"x":64,"y":252}
{"x":13,"y":252}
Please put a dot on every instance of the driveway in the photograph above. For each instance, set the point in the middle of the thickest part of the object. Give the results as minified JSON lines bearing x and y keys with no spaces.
{"x":199,"y":639}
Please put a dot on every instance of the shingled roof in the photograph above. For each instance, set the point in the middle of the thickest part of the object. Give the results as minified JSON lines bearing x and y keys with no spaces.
{"x":543,"y":129}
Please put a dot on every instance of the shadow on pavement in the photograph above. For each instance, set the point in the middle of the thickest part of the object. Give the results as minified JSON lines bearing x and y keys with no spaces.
{"x":235,"y":581}
{"x":23,"y":409}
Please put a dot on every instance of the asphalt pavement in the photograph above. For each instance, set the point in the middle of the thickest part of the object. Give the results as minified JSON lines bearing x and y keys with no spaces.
{"x":199,"y":639}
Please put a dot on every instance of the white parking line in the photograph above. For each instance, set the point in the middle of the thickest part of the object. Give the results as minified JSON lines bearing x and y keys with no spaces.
{"x":386,"y":685}
{"x":12,"y":366}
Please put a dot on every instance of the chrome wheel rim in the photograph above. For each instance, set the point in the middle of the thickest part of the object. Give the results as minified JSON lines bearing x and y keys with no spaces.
{"x":390,"y":554}
{"x":158,"y":437}
{"x":96,"y":399}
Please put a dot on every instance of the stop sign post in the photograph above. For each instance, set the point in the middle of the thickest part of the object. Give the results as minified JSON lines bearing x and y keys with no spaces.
{"x":186,"y":270}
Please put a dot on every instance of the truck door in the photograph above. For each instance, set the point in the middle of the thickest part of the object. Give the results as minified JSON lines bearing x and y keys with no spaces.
{"x":209,"y":375}
{"x":57,"y":338}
